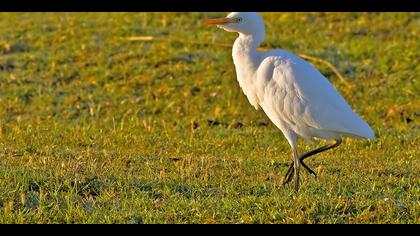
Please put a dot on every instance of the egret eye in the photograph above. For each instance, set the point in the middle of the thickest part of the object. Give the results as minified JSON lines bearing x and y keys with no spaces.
{"x":239,"y":19}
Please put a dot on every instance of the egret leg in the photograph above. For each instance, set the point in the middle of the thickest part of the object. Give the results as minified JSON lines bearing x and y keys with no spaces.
{"x":321,"y":149}
{"x":290,"y":171}
{"x":297,"y":169}
{"x":288,"y":175}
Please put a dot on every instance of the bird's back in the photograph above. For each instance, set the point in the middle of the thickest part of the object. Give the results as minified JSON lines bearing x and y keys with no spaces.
{"x":293,"y":92}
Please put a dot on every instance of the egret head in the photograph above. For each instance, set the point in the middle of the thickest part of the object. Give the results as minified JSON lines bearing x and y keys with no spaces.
{"x":246,"y":23}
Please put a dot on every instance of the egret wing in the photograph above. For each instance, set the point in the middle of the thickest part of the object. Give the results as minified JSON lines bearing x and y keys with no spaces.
{"x":301,"y":96}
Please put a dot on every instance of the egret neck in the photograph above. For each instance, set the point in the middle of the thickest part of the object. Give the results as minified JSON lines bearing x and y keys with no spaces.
{"x":246,"y":60}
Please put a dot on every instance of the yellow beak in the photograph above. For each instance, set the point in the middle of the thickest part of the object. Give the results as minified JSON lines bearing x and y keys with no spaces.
{"x":220,"y":21}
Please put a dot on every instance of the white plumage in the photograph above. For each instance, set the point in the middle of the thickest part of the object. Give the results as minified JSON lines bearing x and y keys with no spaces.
{"x":296,"y":97}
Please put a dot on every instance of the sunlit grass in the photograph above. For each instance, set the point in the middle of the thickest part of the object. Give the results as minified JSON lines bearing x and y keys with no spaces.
{"x":98,"y":129}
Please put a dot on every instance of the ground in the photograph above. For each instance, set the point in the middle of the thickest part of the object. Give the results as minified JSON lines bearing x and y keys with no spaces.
{"x":95,"y":128}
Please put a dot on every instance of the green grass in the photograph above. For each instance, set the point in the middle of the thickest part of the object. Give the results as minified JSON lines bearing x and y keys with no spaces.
{"x":98,"y":129}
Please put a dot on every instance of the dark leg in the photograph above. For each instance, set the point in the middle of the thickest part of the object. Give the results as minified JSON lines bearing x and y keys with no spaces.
{"x":290,"y":171}
{"x":321,"y":149}
{"x":297,"y":170}
{"x":307,"y":168}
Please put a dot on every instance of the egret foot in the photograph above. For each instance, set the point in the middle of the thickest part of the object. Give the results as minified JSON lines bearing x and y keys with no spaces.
{"x":290,"y":172}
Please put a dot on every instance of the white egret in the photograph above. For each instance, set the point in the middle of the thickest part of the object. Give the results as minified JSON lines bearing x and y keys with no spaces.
{"x":296,"y":97}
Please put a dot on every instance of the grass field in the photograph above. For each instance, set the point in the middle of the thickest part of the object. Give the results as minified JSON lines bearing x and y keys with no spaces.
{"x":98,"y":129}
